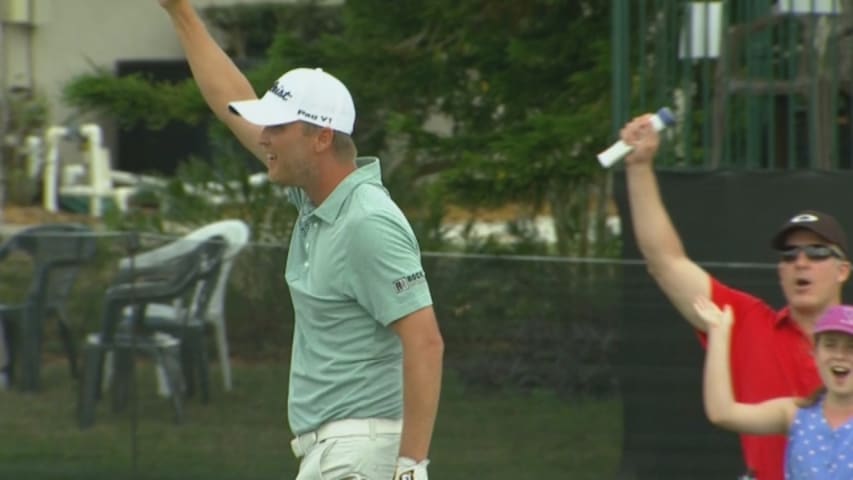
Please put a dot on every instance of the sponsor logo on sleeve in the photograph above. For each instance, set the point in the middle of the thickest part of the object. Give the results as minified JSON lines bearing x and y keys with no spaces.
{"x":409,"y":281}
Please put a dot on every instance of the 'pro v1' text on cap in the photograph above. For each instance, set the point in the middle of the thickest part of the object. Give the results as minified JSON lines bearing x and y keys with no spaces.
{"x":302,"y":94}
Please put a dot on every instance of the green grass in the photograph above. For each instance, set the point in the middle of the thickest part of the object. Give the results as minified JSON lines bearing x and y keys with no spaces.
{"x":243,"y":434}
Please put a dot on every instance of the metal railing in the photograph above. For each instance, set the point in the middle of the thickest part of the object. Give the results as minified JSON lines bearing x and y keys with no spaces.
{"x":756,"y":84}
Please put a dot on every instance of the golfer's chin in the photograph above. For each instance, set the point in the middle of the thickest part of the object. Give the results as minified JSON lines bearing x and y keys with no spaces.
{"x":276,"y":177}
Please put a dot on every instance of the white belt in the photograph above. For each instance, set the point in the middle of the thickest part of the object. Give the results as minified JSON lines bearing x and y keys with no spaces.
{"x":350,"y":427}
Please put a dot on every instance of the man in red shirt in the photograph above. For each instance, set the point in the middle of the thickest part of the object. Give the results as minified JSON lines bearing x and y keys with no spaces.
{"x":771,"y":350}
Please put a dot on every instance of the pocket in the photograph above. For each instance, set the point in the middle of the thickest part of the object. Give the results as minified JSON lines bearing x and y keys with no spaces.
{"x":359,"y":458}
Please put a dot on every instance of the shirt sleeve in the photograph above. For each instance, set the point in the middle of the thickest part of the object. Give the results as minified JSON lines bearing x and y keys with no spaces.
{"x":741,"y":302}
{"x":386,"y":276}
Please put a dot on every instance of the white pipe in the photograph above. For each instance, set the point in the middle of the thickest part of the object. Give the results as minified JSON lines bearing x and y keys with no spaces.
{"x":51,"y":168}
{"x":92,"y":133}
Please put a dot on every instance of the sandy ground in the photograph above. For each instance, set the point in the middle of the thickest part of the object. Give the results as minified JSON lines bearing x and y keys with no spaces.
{"x":31,"y":215}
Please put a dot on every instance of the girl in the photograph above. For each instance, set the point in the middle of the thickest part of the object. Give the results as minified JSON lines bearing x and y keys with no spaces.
{"x":820,"y":427}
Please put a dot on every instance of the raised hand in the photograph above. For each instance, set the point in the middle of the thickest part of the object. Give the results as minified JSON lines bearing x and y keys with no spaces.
{"x":640,"y":134}
{"x":711,"y":313}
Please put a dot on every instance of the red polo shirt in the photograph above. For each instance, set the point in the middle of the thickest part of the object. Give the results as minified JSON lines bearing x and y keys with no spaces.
{"x":770,"y":357}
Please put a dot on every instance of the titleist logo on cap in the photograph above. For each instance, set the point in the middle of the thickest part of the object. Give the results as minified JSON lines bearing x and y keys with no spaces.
{"x":280,"y":92}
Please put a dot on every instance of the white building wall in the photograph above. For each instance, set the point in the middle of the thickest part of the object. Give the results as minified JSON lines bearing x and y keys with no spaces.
{"x":66,"y":38}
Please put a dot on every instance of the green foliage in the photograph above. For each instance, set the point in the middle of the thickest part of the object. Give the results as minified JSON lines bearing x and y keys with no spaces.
{"x":27,"y":115}
{"x":134,"y":100}
{"x":251,"y":29}
{"x":517,"y":84}
{"x":484,"y":102}
{"x":202,"y":193}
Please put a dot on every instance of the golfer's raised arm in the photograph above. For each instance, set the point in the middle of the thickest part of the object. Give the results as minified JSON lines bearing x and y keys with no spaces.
{"x":219,"y":80}
{"x":680,"y":278}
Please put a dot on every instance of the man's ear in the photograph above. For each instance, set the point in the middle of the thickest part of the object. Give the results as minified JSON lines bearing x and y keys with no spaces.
{"x":843,"y":271}
{"x":324,"y":139}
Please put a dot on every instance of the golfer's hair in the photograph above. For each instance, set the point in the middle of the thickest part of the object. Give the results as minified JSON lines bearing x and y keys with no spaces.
{"x":812,"y":399}
{"x":342,"y":143}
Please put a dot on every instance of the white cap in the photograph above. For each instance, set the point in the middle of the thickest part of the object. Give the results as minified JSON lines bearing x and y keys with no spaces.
{"x":302,"y":94}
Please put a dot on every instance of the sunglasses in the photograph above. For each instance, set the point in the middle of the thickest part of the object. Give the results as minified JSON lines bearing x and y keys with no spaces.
{"x":813,"y":252}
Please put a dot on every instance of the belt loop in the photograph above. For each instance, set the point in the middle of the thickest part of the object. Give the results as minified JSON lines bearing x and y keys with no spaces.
{"x":371,"y":423}
{"x":297,"y":448}
{"x":306,"y":442}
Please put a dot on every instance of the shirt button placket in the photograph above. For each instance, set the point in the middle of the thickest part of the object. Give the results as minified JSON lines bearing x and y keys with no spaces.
{"x":308,"y":233}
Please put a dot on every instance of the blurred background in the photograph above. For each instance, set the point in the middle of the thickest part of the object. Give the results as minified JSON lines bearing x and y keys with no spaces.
{"x":563,"y":359}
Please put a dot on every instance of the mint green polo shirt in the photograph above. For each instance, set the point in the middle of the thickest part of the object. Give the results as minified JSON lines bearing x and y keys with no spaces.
{"x":353,"y":268}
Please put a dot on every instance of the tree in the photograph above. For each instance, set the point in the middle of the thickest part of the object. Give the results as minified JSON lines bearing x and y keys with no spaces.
{"x":517,"y":88}
{"x":521,"y":87}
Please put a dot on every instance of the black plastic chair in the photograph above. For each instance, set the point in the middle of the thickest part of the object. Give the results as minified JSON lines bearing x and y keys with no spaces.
{"x":57,"y":251}
{"x":123,"y":331}
{"x":169,"y":317}
{"x":190,"y":330}
{"x":189,"y":321}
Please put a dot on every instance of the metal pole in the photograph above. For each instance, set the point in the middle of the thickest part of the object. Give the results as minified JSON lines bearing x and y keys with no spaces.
{"x":619,"y":57}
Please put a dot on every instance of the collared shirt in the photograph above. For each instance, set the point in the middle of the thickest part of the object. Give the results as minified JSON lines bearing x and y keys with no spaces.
{"x":816,"y":451}
{"x":770,"y":357}
{"x":353,"y":268}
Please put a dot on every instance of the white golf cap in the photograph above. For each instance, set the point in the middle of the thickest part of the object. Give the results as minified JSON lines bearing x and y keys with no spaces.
{"x":302,"y":94}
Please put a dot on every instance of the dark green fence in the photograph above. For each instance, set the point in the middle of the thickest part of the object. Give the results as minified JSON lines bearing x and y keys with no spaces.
{"x":756,"y":84}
